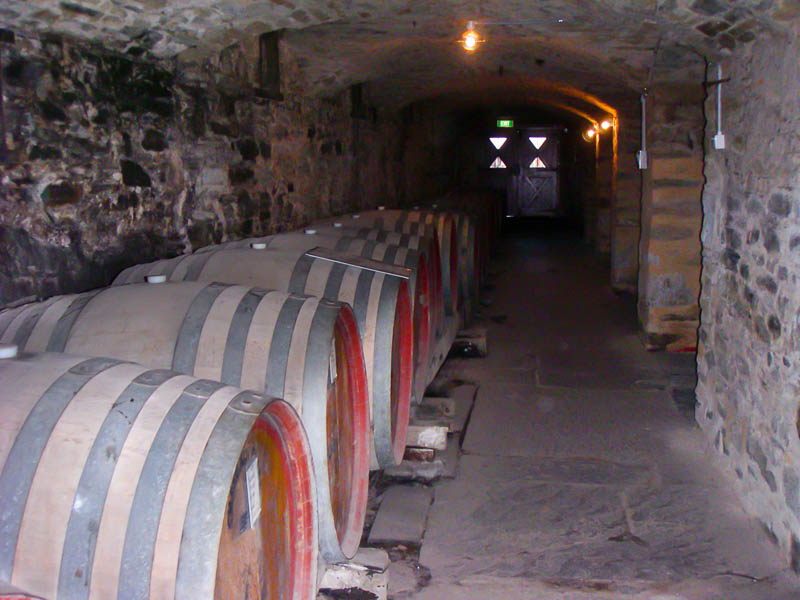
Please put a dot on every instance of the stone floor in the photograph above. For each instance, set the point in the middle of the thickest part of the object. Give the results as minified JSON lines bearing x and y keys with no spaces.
{"x":580,"y":477}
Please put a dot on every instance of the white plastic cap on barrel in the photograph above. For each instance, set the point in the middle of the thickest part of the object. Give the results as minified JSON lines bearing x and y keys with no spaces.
{"x":258,"y":245}
{"x":311,"y":232}
{"x":8,"y":350}
{"x":156,"y":278}
{"x":337,"y":224}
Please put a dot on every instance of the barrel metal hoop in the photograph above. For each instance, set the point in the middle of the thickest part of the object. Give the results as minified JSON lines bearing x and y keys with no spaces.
{"x":60,"y":335}
{"x":23,"y":458}
{"x":24,"y":332}
{"x":77,"y":558}
{"x":148,"y":500}
{"x":197,"y":265}
{"x":233,"y":359}
{"x":279,"y":347}
{"x":197,"y":559}
{"x":185,"y":353}
{"x":299,"y":276}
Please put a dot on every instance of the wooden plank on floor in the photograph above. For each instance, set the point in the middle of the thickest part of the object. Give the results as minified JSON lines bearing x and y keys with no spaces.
{"x":402,"y":515}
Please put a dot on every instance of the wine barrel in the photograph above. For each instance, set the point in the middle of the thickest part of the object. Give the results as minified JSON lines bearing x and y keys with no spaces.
{"x":468,"y":256}
{"x":302,"y":349}
{"x":426,"y":245}
{"x":9,"y":592}
{"x":377,"y":292}
{"x":118,"y":481}
{"x":423,"y":290}
{"x":424,"y":223}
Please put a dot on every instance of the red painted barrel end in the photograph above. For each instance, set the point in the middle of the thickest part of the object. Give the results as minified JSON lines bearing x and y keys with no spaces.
{"x":402,"y":371}
{"x":355,"y":476}
{"x":283,"y":426}
{"x":423,"y":315}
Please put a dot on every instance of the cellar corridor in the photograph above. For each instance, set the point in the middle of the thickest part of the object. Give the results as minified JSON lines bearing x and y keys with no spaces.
{"x":264,"y":226}
{"x":580,"y":476}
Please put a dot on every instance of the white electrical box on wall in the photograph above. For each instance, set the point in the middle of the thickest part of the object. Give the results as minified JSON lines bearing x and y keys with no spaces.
{"x":719,"y":141}
{"x":641,"y":159}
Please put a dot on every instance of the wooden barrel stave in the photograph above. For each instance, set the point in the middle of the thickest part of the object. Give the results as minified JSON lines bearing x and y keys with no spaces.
{"x":271,"y":341}
{"x":76,"y":432}
{"x":381,"y":305}
{"x":422,"y":290}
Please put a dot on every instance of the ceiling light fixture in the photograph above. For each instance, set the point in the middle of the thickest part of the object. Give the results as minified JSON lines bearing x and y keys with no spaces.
{"x":470,"y":39}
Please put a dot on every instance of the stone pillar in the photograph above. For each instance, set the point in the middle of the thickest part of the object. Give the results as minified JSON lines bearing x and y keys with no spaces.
{"x":669,"y":248}
{"x":605,"y":184}
{"x":625,"y":211}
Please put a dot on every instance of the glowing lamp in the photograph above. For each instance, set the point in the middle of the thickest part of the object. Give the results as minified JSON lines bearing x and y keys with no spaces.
{"x":606,"y":124}
{"x":470,"y":39}
{"x":589,"y":134}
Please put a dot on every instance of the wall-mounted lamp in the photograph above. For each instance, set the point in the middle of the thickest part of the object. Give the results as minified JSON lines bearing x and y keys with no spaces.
{"x":606,"y":124}
{"x":470,"y":39}
{"x":589,"y":134}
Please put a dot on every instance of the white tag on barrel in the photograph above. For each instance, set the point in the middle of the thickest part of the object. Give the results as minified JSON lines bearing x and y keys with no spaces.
{"x":332,"y":363}
{"x":253,"y":491}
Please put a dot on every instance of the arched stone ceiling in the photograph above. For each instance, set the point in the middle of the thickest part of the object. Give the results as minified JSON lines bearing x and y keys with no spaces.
{"x":406,"y":50}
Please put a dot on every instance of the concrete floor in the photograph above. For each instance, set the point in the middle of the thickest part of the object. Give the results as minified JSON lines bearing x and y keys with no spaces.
{"x":580,"y":478}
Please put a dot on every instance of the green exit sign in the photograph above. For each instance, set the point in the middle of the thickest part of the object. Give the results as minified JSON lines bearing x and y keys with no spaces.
{"x":505,"y":122}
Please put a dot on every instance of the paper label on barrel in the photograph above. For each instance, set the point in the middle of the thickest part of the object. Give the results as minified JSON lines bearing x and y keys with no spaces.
{"x":332,"y":365}
{"x":253,"y":491}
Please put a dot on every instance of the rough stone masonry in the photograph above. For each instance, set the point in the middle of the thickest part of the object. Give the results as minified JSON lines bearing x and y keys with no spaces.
{"x":749,"y":340}
{"x":109,"y":160}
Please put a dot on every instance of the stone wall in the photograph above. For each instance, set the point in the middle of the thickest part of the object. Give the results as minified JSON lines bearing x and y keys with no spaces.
{"x":669,"y":247}
{"x":108,"y":159}
{"x":749,"y":350}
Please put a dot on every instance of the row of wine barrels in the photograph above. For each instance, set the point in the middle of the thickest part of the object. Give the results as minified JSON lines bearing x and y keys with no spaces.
{"x":438,"y":226}
{"x":305,"y":350}
{"x":118,"y":481}
{"x":379,"y":298}
{"x":487,"y":209}
{"x":468,"y":257}
{"x":416,"y":254}
{"x":428,"y":246}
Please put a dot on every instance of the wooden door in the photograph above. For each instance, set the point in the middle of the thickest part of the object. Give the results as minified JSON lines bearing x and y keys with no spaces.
{"x":534,"y":186}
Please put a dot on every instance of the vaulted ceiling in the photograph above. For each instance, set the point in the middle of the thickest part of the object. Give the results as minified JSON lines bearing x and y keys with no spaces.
{"x":580,"y":51}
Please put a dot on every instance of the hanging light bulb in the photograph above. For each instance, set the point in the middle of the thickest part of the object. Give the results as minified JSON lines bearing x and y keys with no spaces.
{"x":470,"y":39}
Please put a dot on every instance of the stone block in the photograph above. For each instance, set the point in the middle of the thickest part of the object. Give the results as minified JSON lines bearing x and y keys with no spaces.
{"x":681,"y":168}
{"x":417,"y":470}
{"x":366,"y":572}
{"x":402,"y":515}
{"x":670,"y":195}
{"x":428,"y":435}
